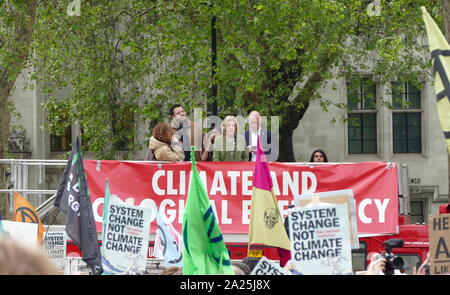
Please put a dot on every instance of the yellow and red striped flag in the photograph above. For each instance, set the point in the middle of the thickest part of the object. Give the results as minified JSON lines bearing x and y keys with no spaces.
{"x":266,"y":223}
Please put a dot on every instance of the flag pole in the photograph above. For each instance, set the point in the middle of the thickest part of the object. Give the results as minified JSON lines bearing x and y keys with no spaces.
{"x":54,"y":218}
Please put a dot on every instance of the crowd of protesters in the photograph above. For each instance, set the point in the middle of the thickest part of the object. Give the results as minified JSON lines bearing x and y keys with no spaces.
{"x":377,"y":266}
{"x":16,"y":259}
{"x":171,"y":142}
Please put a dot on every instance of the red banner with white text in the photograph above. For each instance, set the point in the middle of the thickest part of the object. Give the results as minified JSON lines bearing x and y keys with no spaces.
{"x":229,"y":186}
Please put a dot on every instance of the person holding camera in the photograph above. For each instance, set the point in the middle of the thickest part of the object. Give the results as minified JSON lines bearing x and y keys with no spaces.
{"x":187,"y":132}
{"x":377,"y":265}
{"x":207,"y":154}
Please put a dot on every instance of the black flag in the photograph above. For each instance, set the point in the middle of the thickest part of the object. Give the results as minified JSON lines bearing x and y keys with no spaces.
{"x":73,"y":199}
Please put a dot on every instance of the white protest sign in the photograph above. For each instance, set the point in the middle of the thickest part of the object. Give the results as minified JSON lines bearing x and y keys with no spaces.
{"x":267,"y":267}
{"x":23,"y":232}
{"x":336,"y":197}
{"x":320,"y":240}
{"x":125,"y":246}
{"x":55,"y":244}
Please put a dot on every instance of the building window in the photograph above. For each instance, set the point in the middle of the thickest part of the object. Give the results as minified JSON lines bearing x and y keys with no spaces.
{"x":361,"y":94}
{"x":406,"y":96}
{"x":362,"y":116}
{"x":362,"y":133}
{"x":407,"y":132}
{"x":417,"y":209}
{"x":61,"y":143}
{"x":406,"y":118}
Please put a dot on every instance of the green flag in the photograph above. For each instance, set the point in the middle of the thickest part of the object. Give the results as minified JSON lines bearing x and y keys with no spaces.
{"x":105,"y":221}
{"x":105,"y":208}
{"x":204,"y":251}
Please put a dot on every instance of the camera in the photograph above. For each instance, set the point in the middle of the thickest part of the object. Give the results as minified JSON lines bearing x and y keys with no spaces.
{"x":180,"y":127}
{"x":392,"y":261}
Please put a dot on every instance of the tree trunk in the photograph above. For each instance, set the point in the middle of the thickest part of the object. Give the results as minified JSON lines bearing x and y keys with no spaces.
{"x":288,"y":124}
{"x":19,"y":47}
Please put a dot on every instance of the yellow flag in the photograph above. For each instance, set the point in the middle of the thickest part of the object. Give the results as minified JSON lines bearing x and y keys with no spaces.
{"x":440,"y":55}
{"x":266,"y":223}
{"x":24,"y":212}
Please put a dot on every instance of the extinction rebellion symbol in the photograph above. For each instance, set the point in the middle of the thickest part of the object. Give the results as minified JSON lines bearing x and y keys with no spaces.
{"x":25,"y":213}
{"x":270,"y":217}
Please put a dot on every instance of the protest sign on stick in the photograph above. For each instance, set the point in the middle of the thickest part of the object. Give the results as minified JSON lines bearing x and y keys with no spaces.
{"x":439,"y":233}
{"x":55,"y":244}
{"x":268,"y":267}
{"x":126,"y":239}
{"x":320,"y":240}
{"x":336,"y":197}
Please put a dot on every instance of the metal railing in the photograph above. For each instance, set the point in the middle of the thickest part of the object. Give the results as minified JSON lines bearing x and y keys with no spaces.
{"x":19,"y":178}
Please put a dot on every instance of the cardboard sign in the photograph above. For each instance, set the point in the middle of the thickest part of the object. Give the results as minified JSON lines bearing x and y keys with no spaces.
{"x":320,"y":240}
{"x":268,"y":267}
{"x":125,"y":246}
{"x":439,"y":233}
{"x":336,"y":197}
{"x":23,"y":233}
{"x":55,"y":244}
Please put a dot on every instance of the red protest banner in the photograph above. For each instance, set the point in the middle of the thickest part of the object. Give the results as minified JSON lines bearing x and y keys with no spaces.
{"x":229,"y":186}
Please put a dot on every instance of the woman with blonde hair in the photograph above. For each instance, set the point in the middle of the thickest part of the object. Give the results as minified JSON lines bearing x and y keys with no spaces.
{"x":230,"y":146}
{"x":165,"y":145}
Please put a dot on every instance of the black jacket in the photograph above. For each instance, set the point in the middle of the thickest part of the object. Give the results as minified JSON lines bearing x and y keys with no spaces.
{"x":265,"y":138}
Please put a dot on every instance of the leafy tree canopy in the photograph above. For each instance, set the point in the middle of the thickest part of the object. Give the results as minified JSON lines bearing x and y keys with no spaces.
{"x":140,"y":56}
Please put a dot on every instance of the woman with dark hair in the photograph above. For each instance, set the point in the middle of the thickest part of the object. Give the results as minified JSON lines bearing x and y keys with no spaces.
{"x":165,"y":145}
{"x":318,"y":156}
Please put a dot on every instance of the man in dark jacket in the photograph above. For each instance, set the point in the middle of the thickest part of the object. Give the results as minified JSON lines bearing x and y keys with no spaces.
{"x":251,"y":136}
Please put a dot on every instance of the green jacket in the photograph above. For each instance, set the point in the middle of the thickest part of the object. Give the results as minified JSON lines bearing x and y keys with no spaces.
{"x":223,"y":150}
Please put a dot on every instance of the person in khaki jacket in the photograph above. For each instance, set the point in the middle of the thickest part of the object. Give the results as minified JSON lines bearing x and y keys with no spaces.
{"x":164,"y":145}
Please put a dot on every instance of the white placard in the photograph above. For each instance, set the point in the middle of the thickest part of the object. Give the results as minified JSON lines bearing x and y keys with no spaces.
{"x":320,"y":240}
{"x":268,"y":267}
{"x":55,"y":244}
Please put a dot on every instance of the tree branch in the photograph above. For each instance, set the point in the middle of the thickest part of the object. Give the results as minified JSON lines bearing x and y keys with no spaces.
{"x":313,"y":81}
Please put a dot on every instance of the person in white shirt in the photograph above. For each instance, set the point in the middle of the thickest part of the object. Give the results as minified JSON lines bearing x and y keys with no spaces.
{"x":251,"y":137}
